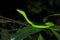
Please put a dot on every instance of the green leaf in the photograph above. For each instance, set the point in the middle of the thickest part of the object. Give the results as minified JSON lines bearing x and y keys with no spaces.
{"x":56,"y":34}
{"x":56,"y":27}
{"x":25,"y":32}
{"x":40,"y":37}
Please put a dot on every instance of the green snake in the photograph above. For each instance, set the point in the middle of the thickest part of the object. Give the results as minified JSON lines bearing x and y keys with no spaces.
{"x":47,"y":24}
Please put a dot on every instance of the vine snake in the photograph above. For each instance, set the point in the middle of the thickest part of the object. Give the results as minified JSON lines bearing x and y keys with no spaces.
{"x":47,"y":24}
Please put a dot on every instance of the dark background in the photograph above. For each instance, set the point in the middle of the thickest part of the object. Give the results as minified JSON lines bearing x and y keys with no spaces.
{"x":8,"y":9}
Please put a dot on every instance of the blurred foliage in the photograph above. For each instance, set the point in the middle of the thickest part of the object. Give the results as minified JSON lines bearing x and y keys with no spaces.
{"x":40,"y":37}
{"x":56,"y":34}
{"x":25,"y":31}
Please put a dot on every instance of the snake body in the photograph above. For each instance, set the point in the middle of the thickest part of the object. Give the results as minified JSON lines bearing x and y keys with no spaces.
{"x":47,"y":24}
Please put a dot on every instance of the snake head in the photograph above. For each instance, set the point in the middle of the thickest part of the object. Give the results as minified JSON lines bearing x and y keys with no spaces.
{"x":20,"y":11}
